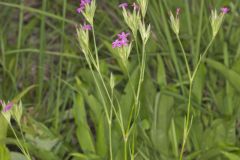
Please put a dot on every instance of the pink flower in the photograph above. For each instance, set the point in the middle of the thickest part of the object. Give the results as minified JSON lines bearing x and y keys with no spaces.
{"x":8,"y":107}
{"x":80,"y":9}
{"x":123,"y":5}
{"x":225,"y":10}
{"x":123,"y":35}
{"x":135,"y":6}
{"x":178,"y":11}
{"x":121,"y":41}
{"x":83,"y":4}
{"x":116,"y":44}
{"x":87,"y":27}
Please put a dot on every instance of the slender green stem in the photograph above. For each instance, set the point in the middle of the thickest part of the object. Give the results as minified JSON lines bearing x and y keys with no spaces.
{"x":99,"y":89}
{"x":133,"y":145}
{"x":110,"y":141}
{"x":138,"y":54}
{"x":19,"y":36}
{"x":19,"y":144}
{"x":202,"y":58}
{"x":95,"y":45}
{"x":142,"y":69}
{"x":60,"y":68}
{"x":42,"y":54}
{"x":131,"y":84}
{"x":137,"y":104}
{"x":185,"y":58}
{"x":187,"y":123}
{"x":125,"y":148}
{"x":110,"y":130}
{"x":186,"y":127}
{"x":24,"y":141}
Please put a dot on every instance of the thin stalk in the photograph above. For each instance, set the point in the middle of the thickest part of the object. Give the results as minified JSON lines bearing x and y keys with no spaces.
{"x":199,"y":33}
{"x":109,"y":117}
{"x":60,"y":68}
{"x":125,"y":148}
{"x":142,"y":69}
{"x":131,"y":84}
{"x":110,"y":131}
{"x":186,"y":127}
{"x":110,"y":141}
{"x":187,"y":123}
{"x":95,"y":79}
{"x":19,"y":144}
{"x":172,"y":50}
{"x":133,"y":146}
{"x":202,"y":58}
{"x":137,"y":104}
{"x":42,"y":54}
{"x":19,"y":36}
{"x":95,"y":45}
{"x":138,"y":54}
{"x":185,"y":57}
{"x":24,"y":141}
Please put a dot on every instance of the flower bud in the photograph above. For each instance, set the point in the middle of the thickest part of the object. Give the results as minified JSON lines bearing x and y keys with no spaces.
{"x":217,"y":19}
{"x":143,"y":7}
{"x":132,"y":20}
{"x":17,"y":112}
{"x":144,"y":32}
{"x":83,"y":38}
{"x":112,"y":81}
{"x":175,"y":21}
{"x":89,"y":11}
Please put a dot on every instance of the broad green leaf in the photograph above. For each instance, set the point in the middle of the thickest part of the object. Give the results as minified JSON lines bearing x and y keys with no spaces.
{"x":161,"y":75}
{"x":101,"y":138}
{"x":17,"y":156}
{"x":228,"y":74}
{"x":83,"y":132}
{"x":127,"y":98}
{"x":161,"y":123}
{"x":85,"y":156}
{"x":23,"y":93}
{"x":4,"y":153}
{"x":198,"y":85}
{"x":3,"y":127}
{"x":231,"y":156}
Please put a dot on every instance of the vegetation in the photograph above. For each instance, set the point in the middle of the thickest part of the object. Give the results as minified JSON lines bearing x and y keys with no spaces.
{"x":97,"y":81}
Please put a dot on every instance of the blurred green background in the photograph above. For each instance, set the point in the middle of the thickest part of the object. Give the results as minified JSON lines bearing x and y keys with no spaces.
{"x":38,"y":46}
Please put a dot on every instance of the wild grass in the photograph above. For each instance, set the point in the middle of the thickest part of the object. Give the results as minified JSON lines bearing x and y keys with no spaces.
{"x":72,"y":111}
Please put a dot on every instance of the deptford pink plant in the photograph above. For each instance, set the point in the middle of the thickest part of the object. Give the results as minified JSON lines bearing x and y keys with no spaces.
{"x":216,"y":22}
{"x":123,"y":5}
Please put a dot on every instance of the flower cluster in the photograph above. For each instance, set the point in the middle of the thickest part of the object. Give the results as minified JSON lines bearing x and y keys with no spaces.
{"x":225,"y":10}
{"x":217,"y":19}
{"x":125,"y":5}
{"x":12,"y":109}
{"x":87,"y":27}
{"x":175,"y":21}
{"x":83,"y":4}
{"x":121,"y":41}
{"x":6,"y":107}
